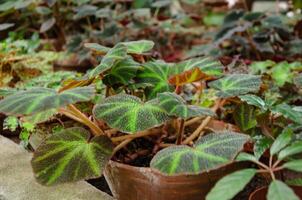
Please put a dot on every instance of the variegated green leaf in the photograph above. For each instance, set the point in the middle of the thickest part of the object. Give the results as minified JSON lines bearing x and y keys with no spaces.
{"x":122,"y":72}
{"x":245,"y":117}
{"x":71,"y":155}
{"x":236,"y":84}
{"x":227,"y":187}
{"x":6,"y":92}
{"x":156,"y":73}
{"x":138,"y":47}
{"x":40,"y":116}
{"x":209,"y":152}
{"x":40,"y":99}
{"x":129,"y":114}
{"x":255,"y":101}
{"x":288,"y":112}
{"x":176,"y":106}
{"x":280,"y":191}
{"x":97,"y":47}
{"x":114,"y":55}
{"x":207,"y":65}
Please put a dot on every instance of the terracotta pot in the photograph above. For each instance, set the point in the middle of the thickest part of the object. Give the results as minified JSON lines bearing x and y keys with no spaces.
{"x":140,"y":183}
{"x":260,"y":194}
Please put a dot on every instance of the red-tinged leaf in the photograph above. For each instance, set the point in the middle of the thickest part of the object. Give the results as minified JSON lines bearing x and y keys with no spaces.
{"x":187,"y":77}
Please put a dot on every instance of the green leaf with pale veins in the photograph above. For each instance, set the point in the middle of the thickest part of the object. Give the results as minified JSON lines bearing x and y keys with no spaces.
{"x":138,"y":47}
{"x":209,"y":152}
{"x":207,"y":65}
{"x":282,"y":141}
{"x":40,"y":99}
{"x":255,"y":101}
{"x":280,"y":191}
{"x":97,"y":47}
{"x":40,"y":117}
{"x":156,"y":73}
{"x":245,"y":117}
{"x":114,"y":55}
{"x":236,"y":84}
{"x":227,"y":187}
{"x":129,"y":114}
{"x":288,"y":112}
{"x":177,"y":106}
{"x":71,"y":155}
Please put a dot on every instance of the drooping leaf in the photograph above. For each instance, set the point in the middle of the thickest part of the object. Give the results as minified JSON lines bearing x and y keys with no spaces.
{"x":114,"y":55}
{"x":122,"y":72}
{"x":280,"y":191}
{"x":176,"y":106}
{"x":209,"y":152}
{"x":255,"y":101}
{"x":186,"y":77}
{"x":157,"y":74}
{"x":207,"y":65}
{"x":71,"y":155}
{"x":281,"y":141}
{"x":288,"y":112}
{"x":227,"y":187}
{"x":245,"y":117}
{"x":295,"y":165}
{"x":236,"y":84}
{"x":293,"y":149}
{"x":138,"y":47}
{"x":129,"y":114}
{"x":40,"y":99}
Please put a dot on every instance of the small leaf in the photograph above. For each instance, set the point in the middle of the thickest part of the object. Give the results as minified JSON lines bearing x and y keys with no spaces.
{"x":227,"y":187}
{"x":282,"y":141}
{"x":186,"y":77}
{"x":246,"y":157}
{"x":138,"y":47}
{"x":245,"y":117}
{"x":6,"y":26}
{"x":280,"y":191}
{"x":176,"y":106}
{"x":97,"y":48}
{"x":47,"y":25}
{"x":125,"y":112}
{"x":295,"y":165}
{"x":236,"y":84}
{"x":10,"y":123}
{"x":114,"y":55}
{"x":40,"y":99}
{"x":261,"y":145}
{"x":71,"y":155}
{"x":293,"y":149}
{"x":255,"y":101}
{"x":209,"y":152}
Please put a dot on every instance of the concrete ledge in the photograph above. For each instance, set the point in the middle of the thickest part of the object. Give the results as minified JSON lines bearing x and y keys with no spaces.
{"x":18,"y":183}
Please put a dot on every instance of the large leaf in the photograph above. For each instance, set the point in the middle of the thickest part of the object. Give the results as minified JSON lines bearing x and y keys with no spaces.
{"x":176,"y":106}
{"x":122,"y":72}
{"x":129,"y":114}
{"x":245,"y":117}
{"x":295,"y":165}
{"x":156,"y":73}
{"x":209,"y":152}
{"x":40,"y":116}
{"x":236,"y":84}
{"x":138,"y":47}
{"x":40,"y":99}
{"x":288,"y":112}
{"x":207,"y":65}
{"x":293,"y":149}
{"x":114,"y":55}
{"x":227,"y":187}
{"x":282,"y":141}
{"x":280,"y":191}
{"x":71,"y":155}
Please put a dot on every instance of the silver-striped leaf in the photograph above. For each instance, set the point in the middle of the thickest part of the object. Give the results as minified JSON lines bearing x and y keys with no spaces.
{"x":209,"y":152}
{"x":138,"y":47}
{"x":129,"y":114}
{"x":176,"y":106}
{"x":71,"y":155}
{"x":40,"y":99}
{"x":236,"y":84}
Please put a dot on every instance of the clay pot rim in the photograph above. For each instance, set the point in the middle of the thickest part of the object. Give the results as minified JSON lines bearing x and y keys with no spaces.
{"x":157,"y":172}
{"x":266,"y":187}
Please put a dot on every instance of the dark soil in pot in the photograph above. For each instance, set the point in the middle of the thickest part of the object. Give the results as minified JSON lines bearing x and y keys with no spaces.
{"x":260,"y":194}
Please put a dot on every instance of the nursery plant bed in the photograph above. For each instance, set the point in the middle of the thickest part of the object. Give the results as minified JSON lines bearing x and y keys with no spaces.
{"x":17,"y":181}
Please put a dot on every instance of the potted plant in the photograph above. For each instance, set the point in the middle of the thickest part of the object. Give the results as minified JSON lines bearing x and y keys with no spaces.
{"x":281,"y":157}
{"x":135,"y":106}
